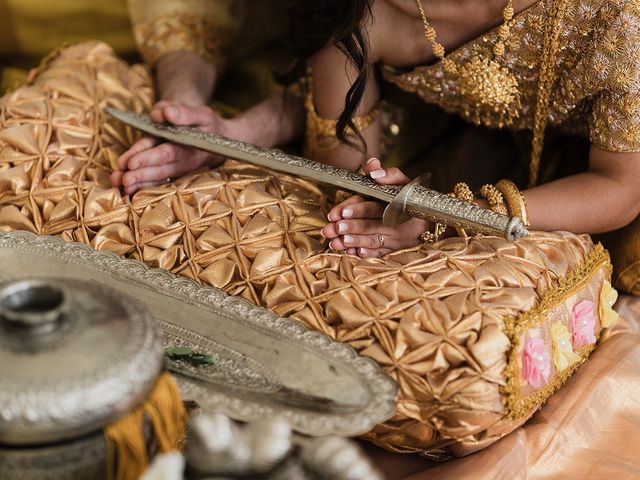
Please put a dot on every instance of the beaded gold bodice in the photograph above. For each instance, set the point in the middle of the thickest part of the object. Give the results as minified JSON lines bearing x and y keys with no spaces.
{"x":597,"y":87}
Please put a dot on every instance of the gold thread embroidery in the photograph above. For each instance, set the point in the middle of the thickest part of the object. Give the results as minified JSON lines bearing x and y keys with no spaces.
{"x":596,"y":93}
{"x":514,"y":327}
{"x":180,"y":31}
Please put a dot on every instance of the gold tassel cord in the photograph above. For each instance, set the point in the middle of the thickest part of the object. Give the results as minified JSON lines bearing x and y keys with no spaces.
{"x":127,"y":456}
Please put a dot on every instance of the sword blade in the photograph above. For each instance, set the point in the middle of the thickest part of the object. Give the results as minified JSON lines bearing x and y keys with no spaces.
{"x":411,"y":200}
{"x":270,"y":158}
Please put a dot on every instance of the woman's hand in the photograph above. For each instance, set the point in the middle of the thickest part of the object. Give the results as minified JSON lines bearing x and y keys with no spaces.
{"x":356,"y":224}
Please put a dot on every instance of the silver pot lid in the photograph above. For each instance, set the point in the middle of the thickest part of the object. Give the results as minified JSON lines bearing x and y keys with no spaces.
{"x":74,"y":356}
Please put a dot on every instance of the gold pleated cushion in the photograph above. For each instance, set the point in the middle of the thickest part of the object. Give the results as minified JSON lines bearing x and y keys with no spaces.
{"x":477,"y":333}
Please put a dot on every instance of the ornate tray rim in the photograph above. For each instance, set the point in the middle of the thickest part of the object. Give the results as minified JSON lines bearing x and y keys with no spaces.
{"x":383,"y":388}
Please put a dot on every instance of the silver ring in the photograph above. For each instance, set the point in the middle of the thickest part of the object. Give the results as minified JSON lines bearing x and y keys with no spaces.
{"x":381,"y":240}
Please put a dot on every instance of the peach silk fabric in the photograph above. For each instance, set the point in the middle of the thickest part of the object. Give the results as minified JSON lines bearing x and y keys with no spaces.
{"x":588,"y":430}
{"x":432,"y":317}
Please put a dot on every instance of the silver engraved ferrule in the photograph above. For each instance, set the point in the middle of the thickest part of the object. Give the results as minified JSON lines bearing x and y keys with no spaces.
{"x":415,"y":200}
{"x":434,"y":206}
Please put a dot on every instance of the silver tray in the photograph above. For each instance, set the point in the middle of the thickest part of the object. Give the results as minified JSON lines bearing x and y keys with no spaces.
{"x":263,"y":365}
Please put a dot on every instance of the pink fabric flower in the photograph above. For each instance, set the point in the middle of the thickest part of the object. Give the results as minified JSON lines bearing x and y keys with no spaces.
{"x":584,"y":320}
{"x":536,"y":363}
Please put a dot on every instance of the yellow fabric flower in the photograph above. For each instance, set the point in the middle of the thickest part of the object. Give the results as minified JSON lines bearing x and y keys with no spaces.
{"x":563,"y":354}
{"x":608,"y":296}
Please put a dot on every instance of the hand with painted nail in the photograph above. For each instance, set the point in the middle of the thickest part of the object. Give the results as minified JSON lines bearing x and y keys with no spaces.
{"x":384,"y":176}
{"x":356,"y":224}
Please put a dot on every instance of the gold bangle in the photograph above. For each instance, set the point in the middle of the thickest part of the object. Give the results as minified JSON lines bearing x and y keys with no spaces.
{"x":495,"y":199}
{"x":514,"y":199}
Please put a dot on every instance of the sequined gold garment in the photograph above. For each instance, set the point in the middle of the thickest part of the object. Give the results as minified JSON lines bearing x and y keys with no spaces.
{"x":597,"y":90}
{"x":459,"y":325}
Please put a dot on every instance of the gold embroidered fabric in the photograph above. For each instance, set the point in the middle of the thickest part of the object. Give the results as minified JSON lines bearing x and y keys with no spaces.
{"x":202,"y":26}
{"x":597,"y":90}
{"x":434,"y":317}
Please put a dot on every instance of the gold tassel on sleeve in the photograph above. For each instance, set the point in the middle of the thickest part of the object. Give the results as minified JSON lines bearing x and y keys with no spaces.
{"x":127,"y":456}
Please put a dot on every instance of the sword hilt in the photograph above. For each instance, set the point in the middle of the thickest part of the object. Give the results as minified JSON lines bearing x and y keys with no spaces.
{"x":415,"y":200}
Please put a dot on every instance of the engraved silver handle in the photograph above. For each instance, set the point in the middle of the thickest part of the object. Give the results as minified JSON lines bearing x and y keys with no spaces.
{"x":415,"y":200}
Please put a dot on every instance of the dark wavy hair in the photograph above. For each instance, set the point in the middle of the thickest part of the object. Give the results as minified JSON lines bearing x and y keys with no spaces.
{"x":313,"y":24}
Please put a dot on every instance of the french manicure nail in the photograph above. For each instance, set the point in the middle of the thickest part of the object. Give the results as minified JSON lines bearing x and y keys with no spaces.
{"x":342,"y":227}
{"x":378,"y":174}
{"x":347,"y":213}
{"x":371,"y":160}
{"x":329,"y":218}
{"x":348,"y":239}
{"x":363,"y":252}
{"x":172,"y":111}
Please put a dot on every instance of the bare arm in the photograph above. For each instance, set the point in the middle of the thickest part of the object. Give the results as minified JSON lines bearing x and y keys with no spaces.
{"x":185,"y":77}
{"x":333,"y":75}
{"x":185,"y":84}
{"x":605,"y":198}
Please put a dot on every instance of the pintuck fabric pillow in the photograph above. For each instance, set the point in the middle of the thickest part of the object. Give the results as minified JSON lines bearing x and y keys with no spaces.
{"x":477,"y":333}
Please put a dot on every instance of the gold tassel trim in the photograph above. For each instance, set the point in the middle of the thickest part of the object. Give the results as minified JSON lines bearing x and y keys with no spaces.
{"x":127,"y":456}
{"x":565,"y":287}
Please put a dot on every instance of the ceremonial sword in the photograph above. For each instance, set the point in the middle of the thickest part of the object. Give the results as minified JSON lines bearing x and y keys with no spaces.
{"x":404,"y":202}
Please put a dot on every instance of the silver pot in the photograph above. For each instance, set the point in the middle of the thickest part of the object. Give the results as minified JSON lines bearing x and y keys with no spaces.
{"x":74,"y":357}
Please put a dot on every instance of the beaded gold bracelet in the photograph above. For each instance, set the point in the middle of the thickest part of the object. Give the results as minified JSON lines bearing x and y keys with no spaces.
{"x":495,"y":199}
{"x":428,"y":237}
{"x":514,"y":199}
{"x":462,"y":192}
{"x":432,"y":237}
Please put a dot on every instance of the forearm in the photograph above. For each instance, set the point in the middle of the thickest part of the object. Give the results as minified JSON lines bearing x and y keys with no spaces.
{"x":277,"y":120}
{"x":185,"y":77}
{"x":585,"y":203}
{"x":351,"y":157}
